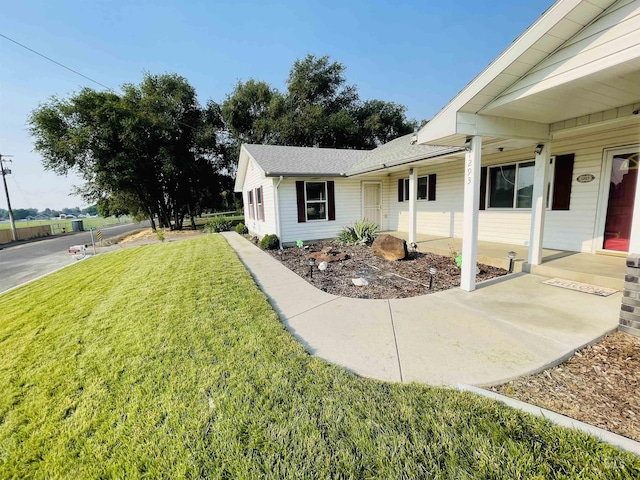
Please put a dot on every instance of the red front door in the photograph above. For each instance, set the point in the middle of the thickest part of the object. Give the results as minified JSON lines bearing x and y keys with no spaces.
{"x":622,"y":192}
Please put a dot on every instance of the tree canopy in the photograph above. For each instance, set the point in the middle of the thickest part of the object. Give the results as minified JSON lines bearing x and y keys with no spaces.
{"x":152,"y":151}
{"x":319,"y":108}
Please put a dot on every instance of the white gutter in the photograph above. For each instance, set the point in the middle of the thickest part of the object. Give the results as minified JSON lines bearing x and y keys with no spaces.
{"x":277,"y":211}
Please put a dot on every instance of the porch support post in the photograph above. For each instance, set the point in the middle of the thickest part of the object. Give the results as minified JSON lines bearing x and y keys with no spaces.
{"x":472,"y":163}
{"x":413,"y":194}
{"x":539,"y":204}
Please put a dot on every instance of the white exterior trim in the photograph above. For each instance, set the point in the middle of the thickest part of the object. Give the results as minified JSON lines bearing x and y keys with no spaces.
{"x":413,"y":194}
{"x":538,"y":204}
{"x":472,"y":164}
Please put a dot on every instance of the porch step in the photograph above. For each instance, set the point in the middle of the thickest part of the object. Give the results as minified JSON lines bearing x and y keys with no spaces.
{"x":583,"y":277}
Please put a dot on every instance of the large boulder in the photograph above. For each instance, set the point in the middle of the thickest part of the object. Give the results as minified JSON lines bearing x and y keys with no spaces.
{"x":389,"y":247}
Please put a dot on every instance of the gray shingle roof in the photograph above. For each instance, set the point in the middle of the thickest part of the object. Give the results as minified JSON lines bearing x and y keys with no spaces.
{"x":398,"y":152}
{"x":279,"y":160}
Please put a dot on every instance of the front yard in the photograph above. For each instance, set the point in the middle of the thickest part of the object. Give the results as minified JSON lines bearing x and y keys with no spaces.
{"x":167,"y":361}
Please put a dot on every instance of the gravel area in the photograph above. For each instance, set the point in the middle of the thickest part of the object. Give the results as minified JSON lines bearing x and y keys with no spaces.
{"x":599,"y":385}
{"x":386,"y":279}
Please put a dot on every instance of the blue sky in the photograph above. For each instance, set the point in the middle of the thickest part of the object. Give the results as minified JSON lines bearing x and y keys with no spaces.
{"x":419,"y":54}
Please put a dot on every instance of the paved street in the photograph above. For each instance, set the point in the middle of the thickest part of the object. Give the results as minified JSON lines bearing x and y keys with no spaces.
{"x":24,"y":262}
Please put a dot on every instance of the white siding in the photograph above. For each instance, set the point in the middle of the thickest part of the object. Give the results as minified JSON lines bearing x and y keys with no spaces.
{"x":255,"y":178}
{"x":348,"y":201}
{"x":564,"y":230}
{"x":614,"y":38}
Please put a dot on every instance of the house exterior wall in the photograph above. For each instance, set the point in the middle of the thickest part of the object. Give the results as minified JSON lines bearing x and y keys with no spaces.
{"x":255,"y":178}
{"x":348,"y":206}
{"x":564,"y":230}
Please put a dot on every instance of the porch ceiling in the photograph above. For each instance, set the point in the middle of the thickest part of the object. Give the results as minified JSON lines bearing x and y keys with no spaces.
{"x":615,"y":87}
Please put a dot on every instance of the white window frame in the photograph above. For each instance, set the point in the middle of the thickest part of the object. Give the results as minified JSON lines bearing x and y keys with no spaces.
{"x":259,"y":201}
{"x":405,"y":189}
{"x":325,"y":201}
{"x":251,"y":210}
{"x":549,"y":199}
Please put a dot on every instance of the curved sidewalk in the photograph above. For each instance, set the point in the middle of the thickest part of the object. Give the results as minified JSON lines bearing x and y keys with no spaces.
{"x":505,"y":329}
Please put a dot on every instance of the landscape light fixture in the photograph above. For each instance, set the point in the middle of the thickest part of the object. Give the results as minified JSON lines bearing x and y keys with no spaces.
{"x":512,"y":257}
{"x":311,"y":262}
{"x":432,"y":271}
{"x":538,"y":149}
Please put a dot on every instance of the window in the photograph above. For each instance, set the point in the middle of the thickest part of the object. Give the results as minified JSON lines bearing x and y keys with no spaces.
{"x":259,"y":205}
{"x":511,"y":186}
{"x":422,"y":188}
{"x":426,"y":188}
{"x":250,"y":203}
{"x":316,"y":200}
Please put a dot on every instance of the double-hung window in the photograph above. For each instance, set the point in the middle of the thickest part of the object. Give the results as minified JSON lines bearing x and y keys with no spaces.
{"x":251,"y":210}
{"x":316,"y":200}
{"x":511,"y":185}
{"x":259,"y":205}
{"x":426,"y":188}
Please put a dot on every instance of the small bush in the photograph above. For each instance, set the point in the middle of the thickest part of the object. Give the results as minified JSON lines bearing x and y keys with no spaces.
{"x":269,"y":242}
{"x":160,"y":234}
{"x":363,"y":232}
{"x":217,"y":225}
{"x":241,"y":229}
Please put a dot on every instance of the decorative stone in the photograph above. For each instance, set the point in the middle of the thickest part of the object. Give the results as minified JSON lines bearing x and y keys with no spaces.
{"x":389,"y":247}
{"x":327,"y":257}
{"x":360,"y":282}
{"x":323,"y":266}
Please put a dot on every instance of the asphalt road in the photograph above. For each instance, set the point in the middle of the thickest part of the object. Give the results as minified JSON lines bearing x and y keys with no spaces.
{"x":27,"y":261}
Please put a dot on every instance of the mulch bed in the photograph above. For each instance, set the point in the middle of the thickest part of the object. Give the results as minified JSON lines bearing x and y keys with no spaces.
{"x":387,"y":279}
{"x":599,"y":385}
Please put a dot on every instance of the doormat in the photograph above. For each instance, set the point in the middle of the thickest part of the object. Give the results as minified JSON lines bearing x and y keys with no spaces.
{"x":581,"y":287}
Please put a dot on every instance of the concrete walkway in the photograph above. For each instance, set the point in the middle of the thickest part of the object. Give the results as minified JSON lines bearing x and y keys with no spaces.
{"x":505,"y":329}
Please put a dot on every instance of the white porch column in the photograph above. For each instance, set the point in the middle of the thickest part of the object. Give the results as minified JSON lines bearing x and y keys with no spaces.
{"x":472,"y":162}
{"x":413,"y":194}
{"x":539,"y":204}
{"x":634,"y":241}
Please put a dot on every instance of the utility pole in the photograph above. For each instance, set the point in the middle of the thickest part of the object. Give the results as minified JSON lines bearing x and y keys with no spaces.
{"x":5,"y":172}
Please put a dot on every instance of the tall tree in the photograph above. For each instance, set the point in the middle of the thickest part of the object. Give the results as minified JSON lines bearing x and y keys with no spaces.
{"x":319,"y":108}
{"x":140,"y":152}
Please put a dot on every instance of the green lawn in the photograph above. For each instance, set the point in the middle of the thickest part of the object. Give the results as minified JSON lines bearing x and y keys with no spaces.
{"x":167,"y":361}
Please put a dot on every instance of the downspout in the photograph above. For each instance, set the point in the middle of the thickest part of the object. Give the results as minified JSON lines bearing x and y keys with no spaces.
{"x":277,"y":210}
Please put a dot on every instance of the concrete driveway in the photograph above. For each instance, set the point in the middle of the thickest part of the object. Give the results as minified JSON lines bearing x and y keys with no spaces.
{"x":507,"y":328}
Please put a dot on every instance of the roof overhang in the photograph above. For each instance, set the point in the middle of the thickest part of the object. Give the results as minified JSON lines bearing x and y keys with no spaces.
{"x":519,"y":95}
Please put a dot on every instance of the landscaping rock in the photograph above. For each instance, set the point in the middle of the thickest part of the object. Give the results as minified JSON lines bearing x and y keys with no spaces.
{"x":360,"y":282}
{"x":389,"y":247}
{"x":323,"y":266}
{"x":328,"y":257}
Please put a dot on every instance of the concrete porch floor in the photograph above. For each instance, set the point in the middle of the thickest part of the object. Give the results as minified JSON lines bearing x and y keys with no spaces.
{"x":595,"y":269}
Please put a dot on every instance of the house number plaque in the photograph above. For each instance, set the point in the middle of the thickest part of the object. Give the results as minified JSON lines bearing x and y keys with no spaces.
{"x":586,"y":178}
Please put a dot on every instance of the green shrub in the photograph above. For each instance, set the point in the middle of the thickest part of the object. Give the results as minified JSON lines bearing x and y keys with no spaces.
{"x":363,"y":232}
{"x":218,"y":224}
{"x":269,"y":242}
{"x":160,"y":234}
{"x":241,"y":229}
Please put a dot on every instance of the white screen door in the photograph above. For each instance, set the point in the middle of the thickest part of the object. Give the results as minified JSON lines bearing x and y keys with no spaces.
{"x":372,"y":202}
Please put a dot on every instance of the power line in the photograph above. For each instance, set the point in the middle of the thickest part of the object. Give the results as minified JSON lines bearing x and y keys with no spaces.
{"x":76,"y":72}
{"x":57,"y":63}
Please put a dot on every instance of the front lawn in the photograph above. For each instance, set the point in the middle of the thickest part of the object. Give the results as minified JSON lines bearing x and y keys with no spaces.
{"x":167,"y":361}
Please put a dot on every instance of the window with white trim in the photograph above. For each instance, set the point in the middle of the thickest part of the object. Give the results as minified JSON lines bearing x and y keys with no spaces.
{"x":423,"y":188}
{"x":251,"y":204}
{"x":259,"y":206}
{"x":316,"y":200}
{"x":511,"y":185}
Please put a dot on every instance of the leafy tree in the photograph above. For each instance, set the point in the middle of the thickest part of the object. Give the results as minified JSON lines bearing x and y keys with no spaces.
{"x":90,"y":210}
{"x":319,"y":108}
{"x":141,"y":152}
{"x":23,"y":213}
